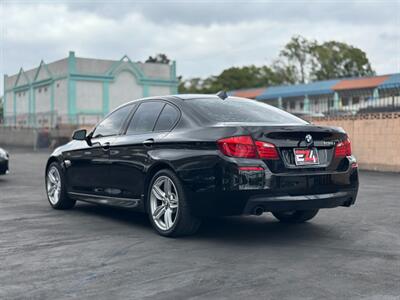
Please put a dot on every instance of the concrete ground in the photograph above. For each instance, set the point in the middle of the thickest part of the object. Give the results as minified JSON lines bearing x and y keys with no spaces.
{"x":103,"y":253}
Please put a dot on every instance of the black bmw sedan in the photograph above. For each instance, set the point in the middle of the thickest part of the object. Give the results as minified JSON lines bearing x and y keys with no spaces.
{"x":182,"y":157}
{"x":4,"y":158}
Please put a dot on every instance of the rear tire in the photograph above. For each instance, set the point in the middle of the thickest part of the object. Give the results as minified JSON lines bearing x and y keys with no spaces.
{"x":295,"y":216}
{"x":167,"y":207}
{"x":55,"y":188}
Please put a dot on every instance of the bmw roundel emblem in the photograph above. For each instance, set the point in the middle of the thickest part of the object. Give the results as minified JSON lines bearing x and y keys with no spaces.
{"x":309,"y":139}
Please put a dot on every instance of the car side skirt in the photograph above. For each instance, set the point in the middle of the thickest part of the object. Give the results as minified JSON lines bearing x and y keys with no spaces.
{"x":104,"y":200}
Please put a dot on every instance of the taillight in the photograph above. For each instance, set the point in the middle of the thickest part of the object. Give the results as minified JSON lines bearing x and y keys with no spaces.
{"x":343,"y":148}
{"x":238,"y":146}
{"x":244,"y":146}
{"x":267,"y":150}
{"x":251,"y":169}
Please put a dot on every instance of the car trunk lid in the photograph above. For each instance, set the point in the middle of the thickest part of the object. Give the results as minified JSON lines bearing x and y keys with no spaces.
{"x":321,"y":139}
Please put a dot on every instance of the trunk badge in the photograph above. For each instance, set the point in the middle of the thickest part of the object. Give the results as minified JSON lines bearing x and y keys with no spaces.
{"x":309,"y":139}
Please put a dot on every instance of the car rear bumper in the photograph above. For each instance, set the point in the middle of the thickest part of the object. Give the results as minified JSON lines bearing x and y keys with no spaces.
{"x":278,"y":193}
{"x":302,"y":202}
{"x":246,"y":203}
{"x":226,"y":188}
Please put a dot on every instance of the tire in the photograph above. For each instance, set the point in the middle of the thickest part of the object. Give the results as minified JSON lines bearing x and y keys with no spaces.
{"x":169,"y":213}
{"x":55,"y":188}
{"x":295,"y":216}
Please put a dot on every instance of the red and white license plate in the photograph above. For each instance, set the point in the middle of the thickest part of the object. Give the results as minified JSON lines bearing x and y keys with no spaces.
{"x":304,"y":157}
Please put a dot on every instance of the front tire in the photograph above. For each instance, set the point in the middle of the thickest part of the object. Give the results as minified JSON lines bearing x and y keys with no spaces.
{"x":295,"y":216}
{"x":167,"y":207}
{"x":55,"y":188}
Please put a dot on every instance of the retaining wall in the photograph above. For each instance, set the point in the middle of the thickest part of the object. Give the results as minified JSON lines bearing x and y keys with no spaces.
{"x":375,"y":139}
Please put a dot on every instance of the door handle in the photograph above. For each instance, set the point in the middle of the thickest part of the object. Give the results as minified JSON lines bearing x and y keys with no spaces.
{"x":148,"y":142}
{"x":105,"y":146}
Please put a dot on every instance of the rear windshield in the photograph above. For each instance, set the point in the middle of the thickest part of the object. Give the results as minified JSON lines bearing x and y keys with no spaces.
{"x":241,"y":110}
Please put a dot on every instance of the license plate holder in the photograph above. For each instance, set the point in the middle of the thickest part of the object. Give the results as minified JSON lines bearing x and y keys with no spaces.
{"x":306,"y":156}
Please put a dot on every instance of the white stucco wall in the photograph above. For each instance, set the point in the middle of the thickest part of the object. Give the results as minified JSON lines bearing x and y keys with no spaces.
{"x":159,"y":90}
{"x":22,"y":99}
{"x":9,"y":106}
{"x":89,"y":95}
{"x":61,"y":97}
{"x":59,"y":67}
{"x":43,"y":106}
{"x":93,"y":66}
{"x":9,"y":81}
{"x":42,"y":95}
{"x":22,"y":105}
{"x":154,"y":70}
{"x":123,"y":89}
{"x":43,"y":74}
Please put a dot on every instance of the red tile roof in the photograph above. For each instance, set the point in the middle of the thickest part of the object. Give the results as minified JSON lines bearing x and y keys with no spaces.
{"x":359,"y":83}
{"x":248,"y":93}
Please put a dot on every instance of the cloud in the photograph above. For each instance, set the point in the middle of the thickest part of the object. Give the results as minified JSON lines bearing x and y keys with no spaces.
{"x":229,"y":11}
{"x":204,"y":38}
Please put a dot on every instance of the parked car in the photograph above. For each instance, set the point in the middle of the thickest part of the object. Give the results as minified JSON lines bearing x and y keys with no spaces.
{"x":182,"y":157}
{"x":4,"y":158}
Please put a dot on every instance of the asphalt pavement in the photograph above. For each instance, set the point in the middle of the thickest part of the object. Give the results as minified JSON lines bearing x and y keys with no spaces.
{"x":93,"y":252}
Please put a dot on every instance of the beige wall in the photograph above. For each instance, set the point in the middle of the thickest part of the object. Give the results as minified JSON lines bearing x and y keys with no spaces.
{"x":375,"y":139}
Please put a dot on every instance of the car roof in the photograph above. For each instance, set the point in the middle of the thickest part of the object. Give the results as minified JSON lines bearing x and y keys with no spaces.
{"x":183,"y":97}
{"x":196,"y":96}
{"x":180,"y":97}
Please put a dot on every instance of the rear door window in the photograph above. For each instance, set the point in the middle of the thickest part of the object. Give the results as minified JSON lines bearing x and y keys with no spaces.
{"x":145,"y":117}
{"x":167,"y":119}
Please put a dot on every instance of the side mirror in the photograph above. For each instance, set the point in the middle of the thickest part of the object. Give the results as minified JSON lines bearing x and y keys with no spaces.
{"x":79,"y":135}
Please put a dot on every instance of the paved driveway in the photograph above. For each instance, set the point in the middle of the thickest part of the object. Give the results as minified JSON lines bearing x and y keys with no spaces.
{"x":102,"y":253}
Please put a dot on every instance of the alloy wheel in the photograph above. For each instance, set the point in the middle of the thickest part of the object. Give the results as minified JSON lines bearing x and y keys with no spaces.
{"x":53,"y":185}
{"x":164,"y":203}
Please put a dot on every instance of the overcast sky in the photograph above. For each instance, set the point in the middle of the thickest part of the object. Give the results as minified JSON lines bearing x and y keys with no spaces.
{"x":204,"y":37}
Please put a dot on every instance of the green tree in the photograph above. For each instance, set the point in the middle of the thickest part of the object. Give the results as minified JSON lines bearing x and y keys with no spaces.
{"x":284,"y":73}
{"x":295,"y":58}
{"x":197,"y":85}
{"x":337,"y":60}
{"x":243,"y":77}
{"x":301,"y":60}
{"x":159,"y":58}
{"x":234,"y":78}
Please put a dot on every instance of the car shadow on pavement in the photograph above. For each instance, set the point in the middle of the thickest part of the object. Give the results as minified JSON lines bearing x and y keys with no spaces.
{"x":3,"y":179}
{"x":262,"y":229}
{"x":114,"y":214}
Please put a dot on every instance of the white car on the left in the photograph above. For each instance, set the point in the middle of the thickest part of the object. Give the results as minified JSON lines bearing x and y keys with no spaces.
{"x":4,"y":157}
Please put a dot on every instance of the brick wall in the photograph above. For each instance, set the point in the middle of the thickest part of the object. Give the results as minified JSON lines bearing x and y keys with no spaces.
{"x":375,"y":139}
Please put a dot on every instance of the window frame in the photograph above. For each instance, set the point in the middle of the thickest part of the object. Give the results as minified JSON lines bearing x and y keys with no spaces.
{"x":133,"y":108}
{"x":132,"y":115}
{"x":174,"y":124}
